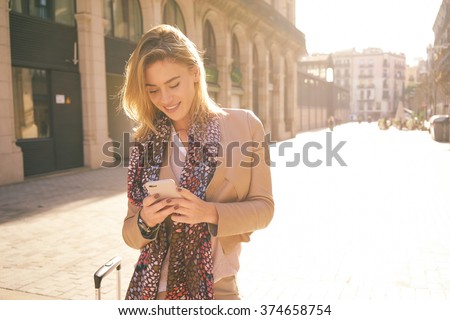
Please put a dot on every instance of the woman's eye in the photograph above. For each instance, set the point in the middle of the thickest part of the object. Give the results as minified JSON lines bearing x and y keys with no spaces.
{"x":152,"y":91}
{"x":175,"y":85}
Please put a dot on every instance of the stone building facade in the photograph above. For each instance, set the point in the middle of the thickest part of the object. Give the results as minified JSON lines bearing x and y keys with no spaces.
{"x":439,"y":60}
{"x":61,"y":64}
{"x":375,"y":80}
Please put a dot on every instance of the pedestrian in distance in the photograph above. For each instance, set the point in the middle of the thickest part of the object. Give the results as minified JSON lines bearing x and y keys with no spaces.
{"x":331,"y":123}
{"x":190,"y":243}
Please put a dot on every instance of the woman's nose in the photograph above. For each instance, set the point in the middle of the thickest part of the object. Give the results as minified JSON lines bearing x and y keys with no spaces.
{"x":165,"y":97}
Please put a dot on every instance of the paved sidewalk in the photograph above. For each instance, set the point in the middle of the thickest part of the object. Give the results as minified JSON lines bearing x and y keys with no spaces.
{"x":57,"y":230}
{"x":378,"y":228}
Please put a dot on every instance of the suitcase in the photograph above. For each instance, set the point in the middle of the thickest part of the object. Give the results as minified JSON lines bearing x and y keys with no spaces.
{"x":103,"y":271}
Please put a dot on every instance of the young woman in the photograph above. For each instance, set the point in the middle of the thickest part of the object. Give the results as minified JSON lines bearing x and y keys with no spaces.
{"x":190,"y":245}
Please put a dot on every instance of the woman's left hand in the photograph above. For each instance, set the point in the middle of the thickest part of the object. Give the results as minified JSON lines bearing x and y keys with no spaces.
{"x":191,"y":209}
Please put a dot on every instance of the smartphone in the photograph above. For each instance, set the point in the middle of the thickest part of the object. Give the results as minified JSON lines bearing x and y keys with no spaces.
{"x":166,"y":188}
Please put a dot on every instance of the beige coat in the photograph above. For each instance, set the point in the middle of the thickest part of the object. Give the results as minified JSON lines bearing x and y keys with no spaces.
{"x":242,"y":192}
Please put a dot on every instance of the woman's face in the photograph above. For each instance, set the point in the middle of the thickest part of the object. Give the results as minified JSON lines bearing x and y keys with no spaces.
{"x":171,"y":88}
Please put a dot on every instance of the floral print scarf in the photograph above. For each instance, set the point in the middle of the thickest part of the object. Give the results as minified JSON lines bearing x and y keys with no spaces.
{"x":190,"y":262}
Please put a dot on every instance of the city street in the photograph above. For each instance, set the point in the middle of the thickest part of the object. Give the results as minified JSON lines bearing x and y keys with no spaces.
{"x":377,"y":228}
{"x":374,"y":223}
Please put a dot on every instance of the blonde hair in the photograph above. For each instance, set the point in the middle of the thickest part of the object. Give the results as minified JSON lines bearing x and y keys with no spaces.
{"x":160,"y":43}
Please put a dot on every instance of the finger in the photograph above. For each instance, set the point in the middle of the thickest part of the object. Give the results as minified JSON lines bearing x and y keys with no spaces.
{"x":151,"y":216}
{"x":182,"y":203}
{"x":176,"y":217}
{"x":148,"y":201}
{"x":179,"y":211}
{"x":185,"y":215}
{"x":185,"y":193}
{"x":158,"y":206}
{"x":164,"y":213}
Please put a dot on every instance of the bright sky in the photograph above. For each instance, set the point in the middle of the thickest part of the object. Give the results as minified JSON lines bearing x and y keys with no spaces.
{"x":398,"y":26}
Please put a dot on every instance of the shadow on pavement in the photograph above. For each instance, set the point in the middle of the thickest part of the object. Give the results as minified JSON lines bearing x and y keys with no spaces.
{"x":39,"y":194}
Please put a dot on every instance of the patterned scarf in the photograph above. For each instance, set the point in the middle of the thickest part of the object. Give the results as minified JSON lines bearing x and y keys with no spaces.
{"x":190,"y":262}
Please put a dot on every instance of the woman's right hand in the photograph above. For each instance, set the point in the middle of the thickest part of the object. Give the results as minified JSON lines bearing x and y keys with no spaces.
{"x":154,"y":211}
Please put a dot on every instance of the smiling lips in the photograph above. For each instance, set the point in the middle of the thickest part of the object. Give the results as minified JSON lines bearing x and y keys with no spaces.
{"x":173,"y":107}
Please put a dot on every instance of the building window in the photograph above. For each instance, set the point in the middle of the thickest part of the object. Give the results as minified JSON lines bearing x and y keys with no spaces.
{"x":31,"y":103}
{"x":172,"y":15}
{"x":59,"y":11}
{"x":322,"y":72}
{"x":236,"y":74}
{"x":209,"y":42}
{"x":40,"y":9}
{"x":124,"y":19}
{"x":64,"y":12}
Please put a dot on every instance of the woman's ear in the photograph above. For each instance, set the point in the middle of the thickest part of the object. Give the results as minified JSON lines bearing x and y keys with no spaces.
{"x":196,"y":74}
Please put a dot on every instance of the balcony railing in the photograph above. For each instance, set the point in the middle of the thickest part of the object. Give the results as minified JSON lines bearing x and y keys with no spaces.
{"x":363,"y":75}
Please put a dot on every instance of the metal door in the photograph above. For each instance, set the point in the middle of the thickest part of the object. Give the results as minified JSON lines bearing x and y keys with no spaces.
{"x":67,"y":119}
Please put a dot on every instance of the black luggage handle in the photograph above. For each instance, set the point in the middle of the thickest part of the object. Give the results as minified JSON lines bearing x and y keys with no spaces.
{"x":114,"y":263}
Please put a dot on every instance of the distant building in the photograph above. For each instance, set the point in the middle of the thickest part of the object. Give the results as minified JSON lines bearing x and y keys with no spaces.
{"x":318,"y":65}
{"x":321,"y":97}
{"x":417,"y":91}
{"x":375,"y":80}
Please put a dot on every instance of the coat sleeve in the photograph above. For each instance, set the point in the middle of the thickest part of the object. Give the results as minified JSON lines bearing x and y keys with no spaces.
{"x":256,"y":210}
{"x":130,"y":229}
